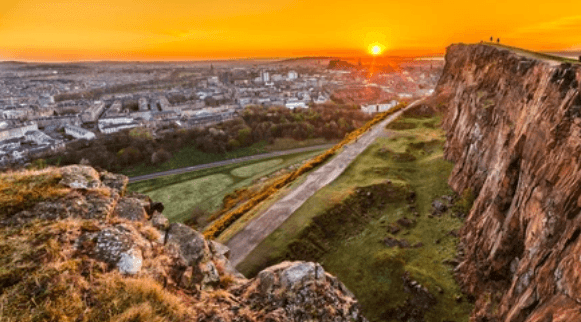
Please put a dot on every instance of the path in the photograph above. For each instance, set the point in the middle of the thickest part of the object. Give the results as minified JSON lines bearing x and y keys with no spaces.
{"x":228,"y":162}
{"x":258,"y":229}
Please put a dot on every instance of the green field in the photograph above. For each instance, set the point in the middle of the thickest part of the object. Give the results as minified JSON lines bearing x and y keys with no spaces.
{"x":205,"y":189}
{"x":190,"y":156}
{"x":341,"y":229}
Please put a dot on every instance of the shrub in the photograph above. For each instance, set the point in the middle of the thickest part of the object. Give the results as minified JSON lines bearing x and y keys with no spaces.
{"x":160,"y":156}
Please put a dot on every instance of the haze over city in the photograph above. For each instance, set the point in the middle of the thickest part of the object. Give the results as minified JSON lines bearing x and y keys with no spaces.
{"x":68,"y":30}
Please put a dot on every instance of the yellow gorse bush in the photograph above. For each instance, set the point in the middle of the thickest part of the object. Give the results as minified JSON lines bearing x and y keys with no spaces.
{"x":218,"y":226}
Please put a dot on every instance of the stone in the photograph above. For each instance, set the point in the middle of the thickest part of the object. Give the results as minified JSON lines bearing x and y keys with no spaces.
{"x":130,"y":209}
{"x":159,"y":221}
{"x":188,"y":244}
{"x":130,"y":262}
{"x":119,"y":246}
{"x":156,"y":206}
{"x":266,"y":281}
{"x":394,"y":229}
{"x":80,"y":177}
{"x":297,"y":275}
{"x":405,"y":222}
{"x":206,"y":275}
{"x":438,"y":207}
{"x":116,"y":182}
{"x":219,"y":249}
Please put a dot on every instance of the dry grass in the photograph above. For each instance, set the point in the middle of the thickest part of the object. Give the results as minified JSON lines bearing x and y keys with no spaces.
{"x":43,"y":278}
{"x":21,"y":190}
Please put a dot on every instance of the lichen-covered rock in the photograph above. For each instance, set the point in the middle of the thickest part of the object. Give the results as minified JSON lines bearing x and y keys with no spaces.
{"x":87,"y":206}
{"x":299,"y":291}
{"x":81,"y":240}
{"x":131,"y":209}
{"x":189,"y":245}
{"x":159,"y":221}
{"x":117,"y":182}
{"x":120,"y":246}
{"x":80,"y":177}
{"x":130,"y":262}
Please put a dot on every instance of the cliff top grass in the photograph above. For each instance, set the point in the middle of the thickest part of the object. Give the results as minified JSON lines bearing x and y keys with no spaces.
{"x":411,"y":159}
{"x":535,"y":54}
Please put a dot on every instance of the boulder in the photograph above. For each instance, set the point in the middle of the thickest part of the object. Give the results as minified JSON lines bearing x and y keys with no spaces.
{"x":130,"y":262}
{"x":159,"y":221}
{"x":116,"y":182}
{"x":438,"y":207}
{"x":188,"y":244}
{"x":80,"y":177}
{"x":131,"y":209}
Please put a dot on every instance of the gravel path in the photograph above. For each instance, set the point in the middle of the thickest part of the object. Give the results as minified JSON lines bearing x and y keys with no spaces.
{"x":258,"y":229}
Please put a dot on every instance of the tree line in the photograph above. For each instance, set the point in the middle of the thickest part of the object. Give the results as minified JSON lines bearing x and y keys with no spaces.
{"x":119,"y":151}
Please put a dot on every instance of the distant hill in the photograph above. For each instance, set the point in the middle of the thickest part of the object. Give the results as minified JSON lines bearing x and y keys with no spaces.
{"x":341,"y":64}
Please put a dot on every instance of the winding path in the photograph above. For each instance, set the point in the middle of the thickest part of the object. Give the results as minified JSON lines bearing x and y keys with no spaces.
{"x":258,"y":229}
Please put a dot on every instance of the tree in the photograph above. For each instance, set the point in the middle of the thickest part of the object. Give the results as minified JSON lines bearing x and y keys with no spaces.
{"x":491,"y":39}
{"x":244,"y":136}
{"x":160,"y":156}
{"x":498,"y":40}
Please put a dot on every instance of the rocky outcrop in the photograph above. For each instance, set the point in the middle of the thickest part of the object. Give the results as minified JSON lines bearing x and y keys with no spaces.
{"x":514,"y":132}
{"x":96,"y":238}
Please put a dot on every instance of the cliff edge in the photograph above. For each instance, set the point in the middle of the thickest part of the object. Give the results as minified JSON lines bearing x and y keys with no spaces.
{"x":514,"y":132}
{"x":74,"y":247}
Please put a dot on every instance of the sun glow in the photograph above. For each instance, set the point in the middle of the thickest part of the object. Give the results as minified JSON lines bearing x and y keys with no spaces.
{"x":376,"y":49}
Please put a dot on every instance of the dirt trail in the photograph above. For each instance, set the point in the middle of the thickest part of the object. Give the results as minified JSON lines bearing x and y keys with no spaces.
{"x":258,"y":229}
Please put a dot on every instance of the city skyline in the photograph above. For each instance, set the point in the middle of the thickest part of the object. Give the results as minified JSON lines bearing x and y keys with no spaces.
{"x":122,"y":30}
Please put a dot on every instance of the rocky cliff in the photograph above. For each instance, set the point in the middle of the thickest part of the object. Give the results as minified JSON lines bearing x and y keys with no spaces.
{"x":514,"y":132}
{"x":74,"y":247}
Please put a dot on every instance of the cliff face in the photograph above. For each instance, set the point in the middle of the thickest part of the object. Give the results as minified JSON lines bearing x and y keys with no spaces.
{"x":514,"y":132}
{"x":74,"y":247}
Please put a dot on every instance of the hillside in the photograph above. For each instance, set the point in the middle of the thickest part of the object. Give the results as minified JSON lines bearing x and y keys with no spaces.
{"x":74,"y":247}
{"x":513,"y":130}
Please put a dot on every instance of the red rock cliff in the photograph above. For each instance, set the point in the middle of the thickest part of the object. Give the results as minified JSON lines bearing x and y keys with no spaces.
{"x":514,"y":133}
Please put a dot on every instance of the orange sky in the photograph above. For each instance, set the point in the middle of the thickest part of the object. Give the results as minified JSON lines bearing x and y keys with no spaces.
{"x":62,"y":30}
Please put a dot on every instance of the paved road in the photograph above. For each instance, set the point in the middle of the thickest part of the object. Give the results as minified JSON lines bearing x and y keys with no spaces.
{"x":258,"y":229}
{"x":228,"y":162}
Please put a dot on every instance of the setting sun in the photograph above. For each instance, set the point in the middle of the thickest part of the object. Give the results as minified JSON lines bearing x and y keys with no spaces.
{"x":376,"y":50}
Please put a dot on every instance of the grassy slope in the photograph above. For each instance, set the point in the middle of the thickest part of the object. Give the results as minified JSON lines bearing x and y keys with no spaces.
{"x":370,"y":269}
{"x":534,"y":54}
{"x":206,"y":188}
{"x":190,"y":156}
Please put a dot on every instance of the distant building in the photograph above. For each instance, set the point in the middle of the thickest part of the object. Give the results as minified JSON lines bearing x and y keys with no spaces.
{"x":292,"y":75}
{"x":58,"y":121}
{"x":45,"y":100}
{"x":38,"y":137}
{"x":108,"y":129}
{"x":79,"y":133}
{"x":378,"y":108}
{"x":17,"y":131}
{"x":142,"y":102}
{"x":292,"y":104}
{"x":265,"y":77}
{"x":92,"y":113}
